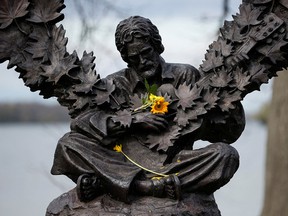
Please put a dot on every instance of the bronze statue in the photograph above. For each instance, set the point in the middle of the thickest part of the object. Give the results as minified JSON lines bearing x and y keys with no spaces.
{"x":132,"y":133}
{"x":101,"y":129}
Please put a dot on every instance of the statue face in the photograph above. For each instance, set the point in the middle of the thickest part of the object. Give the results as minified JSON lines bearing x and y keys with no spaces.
{"x":143,"y":58}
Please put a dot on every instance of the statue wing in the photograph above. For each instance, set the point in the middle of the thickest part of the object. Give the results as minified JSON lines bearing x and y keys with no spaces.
{"x":249,"y":51}
{"x":32,"y":42}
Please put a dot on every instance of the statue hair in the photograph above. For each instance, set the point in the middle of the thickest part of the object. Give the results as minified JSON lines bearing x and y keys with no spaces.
{"x":137,"y":27}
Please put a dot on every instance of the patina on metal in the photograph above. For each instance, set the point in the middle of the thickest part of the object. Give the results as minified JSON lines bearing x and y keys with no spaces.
{"x":130,"y":148}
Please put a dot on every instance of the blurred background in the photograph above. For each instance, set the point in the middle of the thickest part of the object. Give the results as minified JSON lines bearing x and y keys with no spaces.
{"x":31,"y":126}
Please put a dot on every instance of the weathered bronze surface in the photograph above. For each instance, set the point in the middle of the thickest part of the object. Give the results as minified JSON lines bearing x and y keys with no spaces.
{"x":132,"y":132}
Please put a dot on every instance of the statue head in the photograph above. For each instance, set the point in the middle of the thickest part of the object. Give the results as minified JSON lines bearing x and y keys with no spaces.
{"x":140,"y":45}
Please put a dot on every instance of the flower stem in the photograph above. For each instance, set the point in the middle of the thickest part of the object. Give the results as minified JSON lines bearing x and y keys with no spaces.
{"x":144,"y":106}
{"x":118,"y":148}
{"x":148,"y":170}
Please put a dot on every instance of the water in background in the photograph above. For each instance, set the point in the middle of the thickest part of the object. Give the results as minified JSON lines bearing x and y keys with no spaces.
{"x":27,"y":187}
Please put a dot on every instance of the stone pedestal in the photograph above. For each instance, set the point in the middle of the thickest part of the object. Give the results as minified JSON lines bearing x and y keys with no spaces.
{"x":191,"y":205}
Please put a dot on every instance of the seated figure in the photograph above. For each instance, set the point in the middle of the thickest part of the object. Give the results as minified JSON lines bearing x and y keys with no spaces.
{"x":86,"y":154}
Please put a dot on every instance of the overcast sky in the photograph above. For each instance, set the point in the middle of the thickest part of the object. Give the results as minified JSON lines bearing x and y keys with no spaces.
{"x":187,"y":28}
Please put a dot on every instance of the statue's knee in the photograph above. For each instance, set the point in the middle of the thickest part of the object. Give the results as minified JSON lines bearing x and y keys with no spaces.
{"x":226,"y":150}
{"x":229,"y":161}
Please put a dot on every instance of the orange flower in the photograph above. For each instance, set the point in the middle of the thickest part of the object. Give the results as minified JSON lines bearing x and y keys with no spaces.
{"x":118,"y":148}
{"x":160,"y":106}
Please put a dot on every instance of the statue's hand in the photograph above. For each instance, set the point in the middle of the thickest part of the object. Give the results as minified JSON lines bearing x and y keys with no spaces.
{"x":149,"y":121}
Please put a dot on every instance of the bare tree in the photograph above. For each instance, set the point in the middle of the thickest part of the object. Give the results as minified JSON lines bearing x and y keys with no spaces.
{"x":92,"y":14}
{"x":91,"y":26}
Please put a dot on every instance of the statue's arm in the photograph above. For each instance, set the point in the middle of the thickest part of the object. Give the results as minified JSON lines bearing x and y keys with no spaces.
{"x":219,"y":126}
{"x":101,"y":125}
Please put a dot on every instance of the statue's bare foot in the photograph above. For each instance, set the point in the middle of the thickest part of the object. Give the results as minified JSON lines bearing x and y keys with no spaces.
{"x":173,"y":187}
{"x":88,"y":187}
{"x":169,"y":187}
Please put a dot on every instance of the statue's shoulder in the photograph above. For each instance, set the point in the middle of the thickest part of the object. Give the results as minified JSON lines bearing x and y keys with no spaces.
{"x":178,"y":70}
{"x":117,"y":74}
{"x":180,"y":67}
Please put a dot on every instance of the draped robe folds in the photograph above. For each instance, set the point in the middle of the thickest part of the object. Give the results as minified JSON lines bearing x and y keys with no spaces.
{"x":88,"y":147}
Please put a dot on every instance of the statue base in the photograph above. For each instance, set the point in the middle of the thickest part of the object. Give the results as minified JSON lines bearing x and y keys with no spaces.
{"x":191,"y":205}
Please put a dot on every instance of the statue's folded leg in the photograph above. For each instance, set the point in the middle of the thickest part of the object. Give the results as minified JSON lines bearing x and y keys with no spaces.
{"x":206,"y":169}
{"x":77,"y":154}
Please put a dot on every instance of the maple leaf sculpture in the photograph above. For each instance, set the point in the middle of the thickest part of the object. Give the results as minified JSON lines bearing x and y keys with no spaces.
{"x":123,"y":117}
{"x":10,"y":10}
{"x":248,"y":52}
{"x":186,"y":95}
{"x":40,"y":54}
{"x":44,"y":11}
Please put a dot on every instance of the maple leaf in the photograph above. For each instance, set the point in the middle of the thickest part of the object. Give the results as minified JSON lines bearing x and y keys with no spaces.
{"x":16,"y":59}
{"x":184,"y":117}
{"x":12,"y":46}
{"x":210,"y":97}
{"x":241,"y":79}
{"x":193,"y":126}
{"x":60,"y":62}
{"x":187,"y":96}
{"x":58,"y":41}
{"x":87,"y":62}
{"x":37,"y":33}
{"x":248,"y":15}
{"x":215,"y":46}
{"x":44,"y":11}
{"x":124,"y":117}
{"x":276,"y":54}
{"x":103,"y":95}
{"x":198,"y":110}
{"x":259,"y":74}
{"x":40,"y":48}
{"x":87,"y":75}
{"x":212,"y":61}
{"x":11,"y":10}
{"x":88,"y":81}
{"x":162,"y":141}
{"x":221,"y":46}
{"x":82,"y":102}
{"x":231,"y":32}
{"x":32,"y":75}
{"x":227,"y":100}
{"x":226,"y":48}
{"x":136,"y":100}
{"x":181,"y":118}
{"x":226,"y":29}
{"x":220,"y":78}
{"x":45,"y":47}
{"x":70,"y":99}
{"x":59,"y":67}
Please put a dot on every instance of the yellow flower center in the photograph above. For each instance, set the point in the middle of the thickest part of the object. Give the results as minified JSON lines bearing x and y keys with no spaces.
{"x":159,"y":106}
